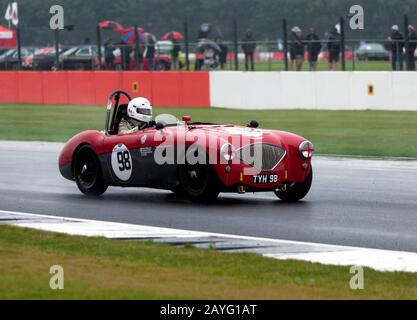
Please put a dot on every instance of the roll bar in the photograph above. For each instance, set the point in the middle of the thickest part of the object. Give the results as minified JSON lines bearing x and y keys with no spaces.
{"x":116,"y":96}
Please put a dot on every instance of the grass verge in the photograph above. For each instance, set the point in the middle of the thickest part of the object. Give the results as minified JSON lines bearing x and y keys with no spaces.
{"x":98,"y":268}
{"x":321,"y":66}
{"x":365,"y":133}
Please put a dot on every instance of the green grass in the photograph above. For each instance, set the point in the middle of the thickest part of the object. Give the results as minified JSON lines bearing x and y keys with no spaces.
{"x":366,"y":133}
{"x":321,"y":66}
{"x":97,"y":268}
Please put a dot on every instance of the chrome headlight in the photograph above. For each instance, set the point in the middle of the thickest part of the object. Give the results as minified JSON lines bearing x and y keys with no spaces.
{"x":306,"y":149}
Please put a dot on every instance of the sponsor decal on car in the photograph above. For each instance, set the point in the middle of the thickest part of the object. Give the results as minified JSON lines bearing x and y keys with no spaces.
{"x":144,"y":152}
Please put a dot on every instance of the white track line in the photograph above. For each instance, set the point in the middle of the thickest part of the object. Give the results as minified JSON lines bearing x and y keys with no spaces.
{"x":381,"y":260}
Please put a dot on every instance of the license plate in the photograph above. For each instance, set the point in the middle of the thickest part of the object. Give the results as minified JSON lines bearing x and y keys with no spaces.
{"x":265,"y":178}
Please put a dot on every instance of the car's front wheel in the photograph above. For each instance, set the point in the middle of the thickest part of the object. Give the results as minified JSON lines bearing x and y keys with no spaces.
{"x":87,"y":172}
{"x":297,"y":191}
{"x":198,"y":181}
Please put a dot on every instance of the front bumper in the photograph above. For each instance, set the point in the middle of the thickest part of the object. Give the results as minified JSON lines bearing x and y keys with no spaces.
{"x":239,"y":178}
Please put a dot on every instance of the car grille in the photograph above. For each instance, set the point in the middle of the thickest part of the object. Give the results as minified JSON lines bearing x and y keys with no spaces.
{"x":262,"y":156}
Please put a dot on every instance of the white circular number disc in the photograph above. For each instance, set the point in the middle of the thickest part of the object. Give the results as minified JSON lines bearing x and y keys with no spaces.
{"x":121,"y":162}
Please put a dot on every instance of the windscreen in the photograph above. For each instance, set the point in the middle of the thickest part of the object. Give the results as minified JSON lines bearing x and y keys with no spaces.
{"x":167,"y":119}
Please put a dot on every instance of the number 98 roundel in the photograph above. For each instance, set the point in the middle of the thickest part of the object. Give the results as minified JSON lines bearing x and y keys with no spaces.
{"x":121,"y":162}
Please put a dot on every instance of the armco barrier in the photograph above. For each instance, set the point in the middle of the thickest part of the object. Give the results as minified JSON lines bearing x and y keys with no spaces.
{"x":30,"y":88}
{"x":9,"y":87}
{"x":53,"y":90}
{"x":240,"y":90}
{"x":314,"y":90}
{"x":165,"y":89}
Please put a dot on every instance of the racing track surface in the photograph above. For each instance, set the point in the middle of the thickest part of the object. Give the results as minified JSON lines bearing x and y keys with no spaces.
{"x":353,"y":202}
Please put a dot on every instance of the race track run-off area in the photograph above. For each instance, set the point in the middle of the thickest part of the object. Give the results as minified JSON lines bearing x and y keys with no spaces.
{"x":354,"y":204}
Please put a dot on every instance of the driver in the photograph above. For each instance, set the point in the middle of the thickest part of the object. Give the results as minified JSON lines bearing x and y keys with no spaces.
{"x":139,"y":116}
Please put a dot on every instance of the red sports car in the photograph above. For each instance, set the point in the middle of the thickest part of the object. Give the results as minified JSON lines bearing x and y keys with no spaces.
{"x":196,"y":160}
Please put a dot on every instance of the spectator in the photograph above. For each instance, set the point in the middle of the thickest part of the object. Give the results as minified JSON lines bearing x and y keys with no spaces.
{"x":210,"y":57}
{"x":313,"y":48}
{"x":175,"y":62}
{"x":333,"y":46}
{"x":199,"y":58}
{"x":126,"y":50}
{"x":248,"y":47}
{"x":397,"y":48}
{"x":139,"y":57}
{"x":296,"y":48}
{"x":150,"y":52}
{"x":223,"y":52}
{"x":204,"y":31}
{"x":412,"y":38}
{"x":291,"y":50}
{"x":108,"y":54}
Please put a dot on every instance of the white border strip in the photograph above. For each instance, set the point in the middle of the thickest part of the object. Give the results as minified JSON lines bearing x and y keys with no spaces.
{"x":320,"y":90}
{"x":381,"y":260}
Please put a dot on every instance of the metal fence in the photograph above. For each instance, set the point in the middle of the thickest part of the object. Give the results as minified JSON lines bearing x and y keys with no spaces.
{"x":322,"y":55}
{"x":291,"y":52}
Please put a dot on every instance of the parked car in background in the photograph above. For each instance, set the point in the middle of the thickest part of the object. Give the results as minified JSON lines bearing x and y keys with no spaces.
{"x":372,"y":51}
{"x":163,"y":56}
{"x":80,"y":58}
{"x":83,"y":58}
{"x":4,"y":50}
{"x":118,"y":63}
{"x":27,"y":62}
{"x":10,"y":61}
{"x":45,"y":59}
{"x":132,"y":61}
{"x":4,"y":55}
{"x":74,"y":58}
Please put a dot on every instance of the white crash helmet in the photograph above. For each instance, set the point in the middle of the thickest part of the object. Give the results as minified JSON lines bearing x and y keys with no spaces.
{"x":140,"y":109}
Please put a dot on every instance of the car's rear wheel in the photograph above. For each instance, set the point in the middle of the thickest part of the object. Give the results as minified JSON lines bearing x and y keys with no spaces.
{"x":87,"y":172}
{"x":297,"y":191}
{"x":198,"y":182}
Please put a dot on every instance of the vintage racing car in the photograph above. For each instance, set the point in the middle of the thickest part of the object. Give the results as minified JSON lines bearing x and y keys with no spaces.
{"x":196,"y":160}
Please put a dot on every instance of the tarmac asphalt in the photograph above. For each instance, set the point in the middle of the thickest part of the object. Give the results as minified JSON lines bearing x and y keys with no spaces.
{"x":354,"y":202}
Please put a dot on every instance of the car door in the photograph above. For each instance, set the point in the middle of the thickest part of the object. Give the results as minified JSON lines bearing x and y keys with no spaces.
{"x":131,"y":161}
